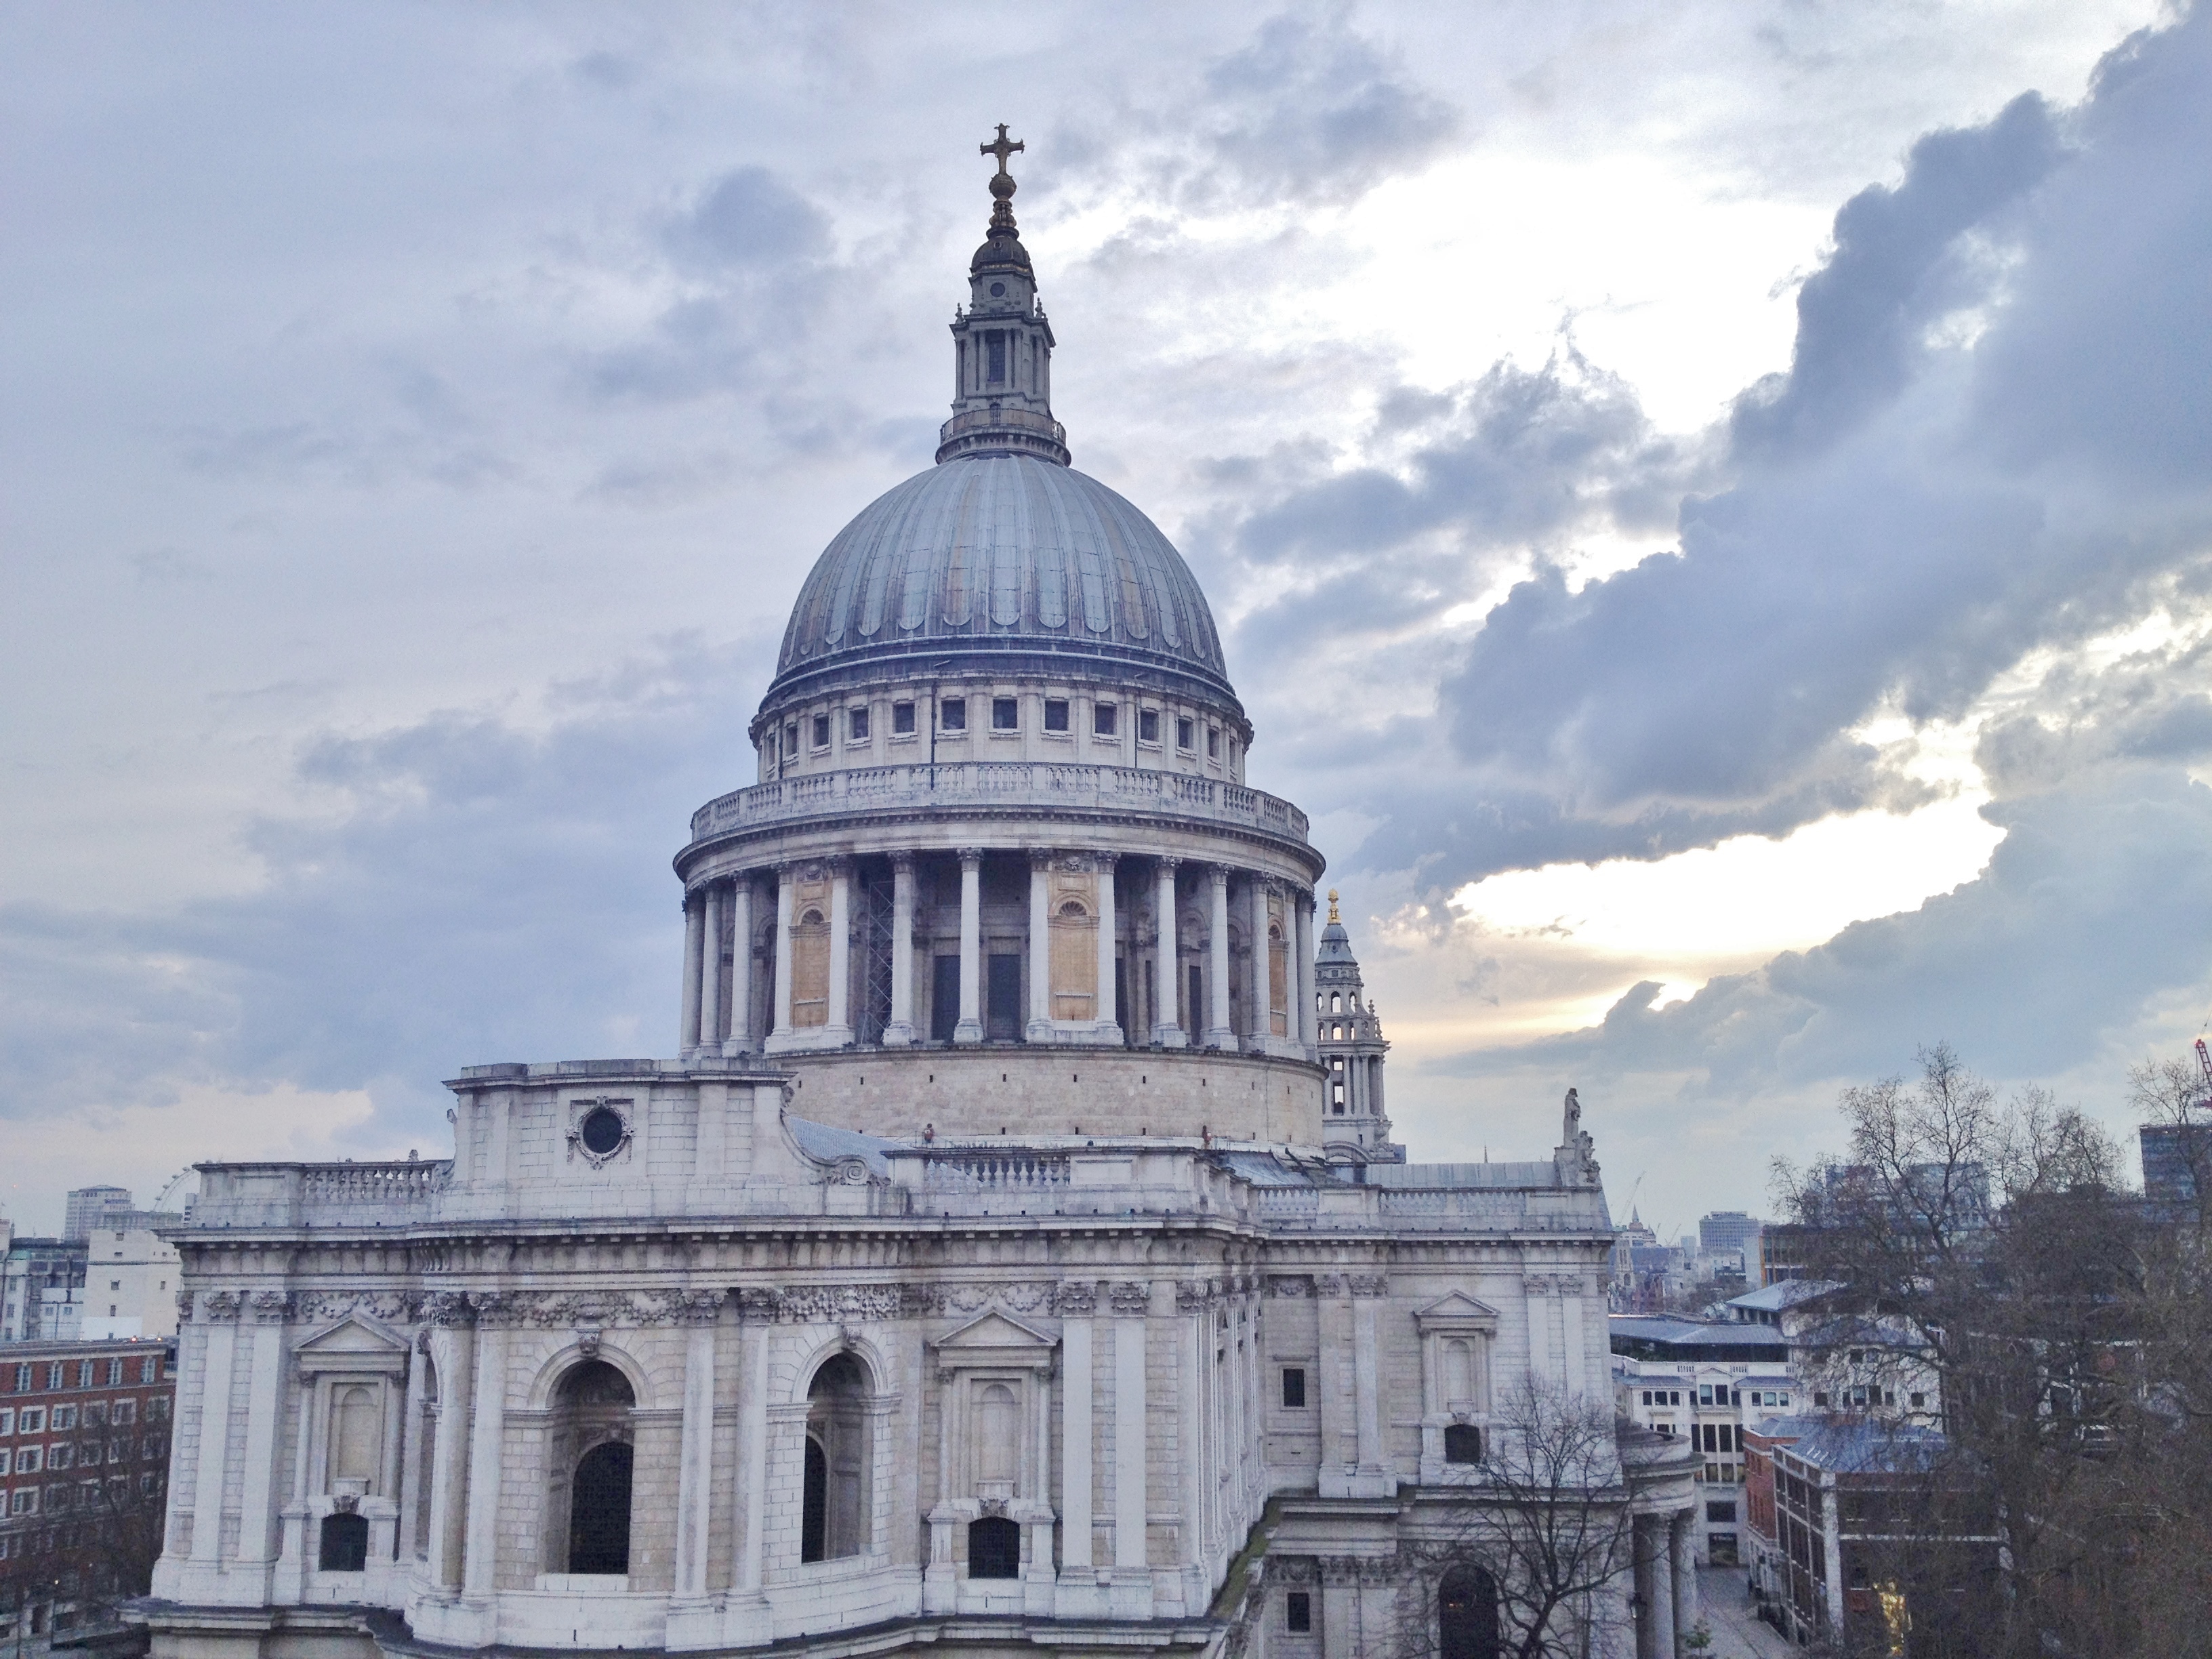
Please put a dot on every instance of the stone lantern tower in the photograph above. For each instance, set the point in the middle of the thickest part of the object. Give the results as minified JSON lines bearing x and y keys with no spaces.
{"x":1352,"y":1047}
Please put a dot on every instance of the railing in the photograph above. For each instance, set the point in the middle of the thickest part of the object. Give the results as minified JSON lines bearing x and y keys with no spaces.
{"x":318,"y":1194}
{"x":999,"y":783}
{"x":990,"y":1172}
{"x":412,"y":1183}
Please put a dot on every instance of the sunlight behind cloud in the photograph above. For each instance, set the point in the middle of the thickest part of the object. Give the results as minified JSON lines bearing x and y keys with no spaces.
{"x":1745,"y":899}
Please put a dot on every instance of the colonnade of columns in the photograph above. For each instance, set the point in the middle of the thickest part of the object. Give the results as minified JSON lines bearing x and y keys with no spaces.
{"x":719,"y":1013}
{"x":1666,"y":1580}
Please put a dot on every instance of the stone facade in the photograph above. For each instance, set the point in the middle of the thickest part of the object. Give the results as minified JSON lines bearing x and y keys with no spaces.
{"x":979,"y":1271}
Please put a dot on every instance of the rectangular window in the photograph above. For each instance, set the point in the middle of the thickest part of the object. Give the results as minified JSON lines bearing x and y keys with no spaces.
{"x":1647,"y":1396}
{"x":8,"y":1420}
{"x":1294,"y":1388}
{"x":791,"y":742}
{"x":1917,"y":1402}
{"x":114,"y":1373}
{"x":22,"y":1376}
{"x":25,"y":1501}
{"x":1005,"y":714}
{"x":54,"y":1377}
{"x":157,"y":1408}
{"x":1186,"y":732}
{"x":1298,"y":1612}
{"x":1705,"y":1394}
{"x":1102,"y":719}
{"x":952,"y":715}
{"x":821,"y":730}
{"x":114,"y":1284}
{"x":7,"y":1460}
{"x":1722,"y":1510}
{"x":1056,"y":713}
{"x":34,"y":1419}
{"x":59,"y":1456}
{"x":1148,"y":726}
{"x":95,"y":1414}
{"x":994,"y":345}
{"x":64,"y":1417}
{"x":1728,"y":1437}
{"x":856,"y":724}
{"x":27,"y":1460}
{"x":1213,"y":743}
{"x":902,"y":720}
{"x":127,"y":1411}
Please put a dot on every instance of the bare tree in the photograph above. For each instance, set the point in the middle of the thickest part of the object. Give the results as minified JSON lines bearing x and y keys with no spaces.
{"x":1540,"y":1541}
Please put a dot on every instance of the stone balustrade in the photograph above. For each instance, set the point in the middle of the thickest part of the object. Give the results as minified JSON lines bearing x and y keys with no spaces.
{"x":319,"y":1195}
{"x":971,"y":785}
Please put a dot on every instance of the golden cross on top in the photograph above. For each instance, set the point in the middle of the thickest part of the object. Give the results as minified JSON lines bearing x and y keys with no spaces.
{"x":1002,"y":149}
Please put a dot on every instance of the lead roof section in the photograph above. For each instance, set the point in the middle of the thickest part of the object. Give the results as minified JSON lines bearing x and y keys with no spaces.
{"x":989,"y":552}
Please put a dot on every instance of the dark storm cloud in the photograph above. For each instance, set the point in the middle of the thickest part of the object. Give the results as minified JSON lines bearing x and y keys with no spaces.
{"x":480,"y":896}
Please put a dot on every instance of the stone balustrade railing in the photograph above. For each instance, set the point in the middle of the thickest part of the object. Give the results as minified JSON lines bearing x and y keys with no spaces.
{"x":1042,"y":784}
{"x":319,"y":1195}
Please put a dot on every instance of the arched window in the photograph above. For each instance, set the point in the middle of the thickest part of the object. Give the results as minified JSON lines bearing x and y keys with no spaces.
{"x":1466,"y":1614}
{"x":1463,"y":1444}
{"x":837,"y":1457}
{"x":995,"y":1549}
{"x":357,"y":1435}
{"x":590,"y":1459}
{"x":344,"y":1544}
{"x":1336,"y":1002}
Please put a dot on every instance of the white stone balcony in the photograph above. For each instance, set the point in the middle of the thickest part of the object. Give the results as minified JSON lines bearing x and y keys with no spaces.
{"x":1001,"y":786}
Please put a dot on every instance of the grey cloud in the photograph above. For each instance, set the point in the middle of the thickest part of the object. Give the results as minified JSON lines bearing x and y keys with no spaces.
{"x":749,"y":218}
{"x":1898,"y":264}
{"x":486,"y":893}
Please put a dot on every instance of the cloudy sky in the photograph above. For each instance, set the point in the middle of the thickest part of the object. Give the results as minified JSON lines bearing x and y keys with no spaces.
{"x":1709,"y":506}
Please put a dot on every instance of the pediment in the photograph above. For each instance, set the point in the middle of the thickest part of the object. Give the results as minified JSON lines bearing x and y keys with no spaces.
{"x":355,"y":1343}
{"x":995,"y":1338}
{"x":1456,"y":1311}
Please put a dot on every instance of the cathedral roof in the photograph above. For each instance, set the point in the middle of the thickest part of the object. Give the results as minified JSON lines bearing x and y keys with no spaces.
{"x":997,"y":552}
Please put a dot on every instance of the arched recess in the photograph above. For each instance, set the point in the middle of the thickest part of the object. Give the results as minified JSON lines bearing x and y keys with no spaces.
{"x":1463,"y":1444}
{"x":995,"y":1549}
{"x":834,"y":1511}
{"x":1466,"y":1614}
{"x":343,"y":1543}
{"x":590,"y":1437}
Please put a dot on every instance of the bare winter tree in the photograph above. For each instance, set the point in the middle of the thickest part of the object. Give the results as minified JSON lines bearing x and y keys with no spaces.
{"x":1528,"y":1562}
{"x":1994,"y":1248}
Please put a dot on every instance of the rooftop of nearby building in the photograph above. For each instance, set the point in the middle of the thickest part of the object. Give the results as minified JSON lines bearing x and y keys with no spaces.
{"x":1669,"y":1336}
{"x":1856,"y":1445}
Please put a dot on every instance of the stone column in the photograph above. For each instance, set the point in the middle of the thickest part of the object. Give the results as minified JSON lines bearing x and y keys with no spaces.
{"x":1078,"y":1302}
{"x":1683,"y":1552}
{"x":1647,"y":1582}
{"x":487,"y":1437}
{"x":840,"y":953}
{"x":1574,"y":1357}
{"x":1218,"y":1032}
{"x":1039,"y":1028}
{"x":739,"y":1038}
{"x":1257,"y":1012}
{"x":1367,"y":1383}
{"x":1339,"y":1431}
{"x":710,"y":972}
{"x":411,"y":1428}
{"x":783,"y":876}
{"x":1131,"y":1305}
{"x":695,"y":1477}
{"x":695,"y":933}
{"x":970,"y":1028}
{"x":1662,"y":1586}
{"x":899,"y":1033}
{"x":453,"y":1351}
{"x":1167,"y":1029}
{"x":1536,"y":1287}
{"x":1307,"y":1029}
{"x":258,"y":1542}
{"x":750,"y":1545}
{"x":1109,"y":1025}
{"x":219,"y":1346}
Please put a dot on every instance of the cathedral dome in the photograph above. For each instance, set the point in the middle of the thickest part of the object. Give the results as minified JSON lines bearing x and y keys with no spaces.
{"x":1001,"y":553}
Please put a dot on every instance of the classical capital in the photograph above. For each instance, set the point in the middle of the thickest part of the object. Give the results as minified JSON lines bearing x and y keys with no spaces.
{"x":1131,"y":1297}
{"x":1075,"y":1298}
{"x":971,"y":858}
{"x":221,"y":1307}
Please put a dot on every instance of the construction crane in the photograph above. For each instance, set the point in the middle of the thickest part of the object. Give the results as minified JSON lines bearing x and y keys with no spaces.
{"x":2204,"y":1064}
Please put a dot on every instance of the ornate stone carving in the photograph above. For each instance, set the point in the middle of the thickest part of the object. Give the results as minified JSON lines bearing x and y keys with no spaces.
{"x":1329,"y":1284}
{"x":272,"y":1307}
{"x":1196,"y":1296}
{"x":693,"y":1307}
{"x":1294,"y":1287}
{"x":221,"y":1307}
{"x":582,"y":1109}
{"x":830,"y":1305}
{"x":1371,"y":1285}
{"x":391,"y":1307}
{"x":448,"y":1309}
{"x":1131,"y":1297}
{"x":1075,"y":1299}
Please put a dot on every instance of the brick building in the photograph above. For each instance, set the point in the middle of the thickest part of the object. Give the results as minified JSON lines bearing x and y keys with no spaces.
{"x":84,"y":1461}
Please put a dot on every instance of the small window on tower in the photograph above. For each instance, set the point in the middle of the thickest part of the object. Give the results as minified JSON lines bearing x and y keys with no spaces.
{"x":1056,"y":713}
{"x":1294,"y":1388}
{"x":1186,"y":734}
{"x":1005,"y":714}
{"x":1148,"y":726}
{"x":821,"y":730}
{"x":1101,"y":720}
{"x":1213,"y":743}
{"x":1298,"y":1612}
{"x":994,"y":344}
{"x":856,"y":724}
{"x":902,"y":720}
{"x":952,"y":715}
{"x":791,"y":743}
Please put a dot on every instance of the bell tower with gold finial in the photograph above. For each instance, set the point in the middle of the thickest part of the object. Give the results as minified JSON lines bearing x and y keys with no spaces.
{"x":1002,"y":343}
{"x":1352,"y":1046}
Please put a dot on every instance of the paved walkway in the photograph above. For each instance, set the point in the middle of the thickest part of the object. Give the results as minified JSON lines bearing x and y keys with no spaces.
{"x":1737,"y":1631}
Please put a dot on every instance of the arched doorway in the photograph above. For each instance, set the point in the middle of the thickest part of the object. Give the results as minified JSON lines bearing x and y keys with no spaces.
{"x":343,"y":1545}
{"x":1466,"y":1614}
{"x":590,"y":1457}
{"x":834,"y":1496}
{"x":995,"y":1549}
